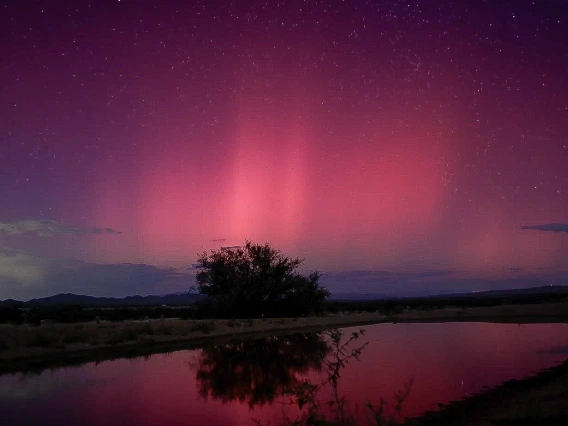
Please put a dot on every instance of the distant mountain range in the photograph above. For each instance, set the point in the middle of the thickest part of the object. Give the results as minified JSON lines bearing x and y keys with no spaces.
{"x":543,"y":290}
{"x":178,"y":299}
{"x":359,"y":296}
{"x":182,"y":299}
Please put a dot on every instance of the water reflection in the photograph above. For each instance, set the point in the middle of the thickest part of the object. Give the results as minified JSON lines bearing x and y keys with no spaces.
{"x":448,"y":362}
{"x":255,"y":372}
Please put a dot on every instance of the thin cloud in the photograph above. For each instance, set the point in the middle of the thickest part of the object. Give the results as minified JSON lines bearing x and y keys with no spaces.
{"x":24,"y":276}
{"x":48,"y":228}
{"x":550,"y":227}
{"x":219,"y":240}
{"x":10,"y":251}
{"x":21,"y":270}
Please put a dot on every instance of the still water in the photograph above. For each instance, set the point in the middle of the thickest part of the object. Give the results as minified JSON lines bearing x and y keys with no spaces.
{"x":232,"y":384}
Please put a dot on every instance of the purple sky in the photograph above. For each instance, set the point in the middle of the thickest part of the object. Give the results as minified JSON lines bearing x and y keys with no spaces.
{"x":397,"y":147}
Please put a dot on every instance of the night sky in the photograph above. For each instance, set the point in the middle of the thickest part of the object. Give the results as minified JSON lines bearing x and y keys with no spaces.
{"x":398,"y":147}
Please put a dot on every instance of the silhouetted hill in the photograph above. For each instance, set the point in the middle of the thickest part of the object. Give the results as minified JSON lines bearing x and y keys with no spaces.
{"x":359,"y":296}
{"x":11,"y":303}
{"x":82,"y":300}
{"x":544,"y":290}
{"x":184,"y":299}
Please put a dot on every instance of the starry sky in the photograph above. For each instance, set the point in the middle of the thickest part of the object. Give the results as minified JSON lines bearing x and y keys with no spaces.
{"x":398,"y":147}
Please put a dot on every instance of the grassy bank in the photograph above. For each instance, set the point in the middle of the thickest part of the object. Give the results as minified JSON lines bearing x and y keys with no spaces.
{"x":541,"y":399}
{"x":28,"y":347}
{"x":517,"y":313}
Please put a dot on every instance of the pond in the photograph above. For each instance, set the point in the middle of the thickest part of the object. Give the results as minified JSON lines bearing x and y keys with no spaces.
{"x":234,"y":383}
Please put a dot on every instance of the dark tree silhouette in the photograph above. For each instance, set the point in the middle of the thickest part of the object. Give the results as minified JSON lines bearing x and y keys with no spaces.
{"x":257,"y":280}
{"x":256,"y":372}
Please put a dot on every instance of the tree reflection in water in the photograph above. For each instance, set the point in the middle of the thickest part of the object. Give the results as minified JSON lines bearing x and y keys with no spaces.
{"x":256,"y":372}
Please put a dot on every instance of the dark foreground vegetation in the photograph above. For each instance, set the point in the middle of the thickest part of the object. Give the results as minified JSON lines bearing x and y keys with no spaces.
{"x":396,"y":306}
{"x":76,"y":313}
{"x":28,"y":347}
{"x":51,"y":343}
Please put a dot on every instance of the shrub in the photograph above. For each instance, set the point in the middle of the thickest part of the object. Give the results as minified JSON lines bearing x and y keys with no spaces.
{"x":146,"y":328}
{"x":205,"y":327}
{"x":256,"y":280}
{"x":11,"y":316}
{"x":4,"y":345}
{"x":37,"y":339}
{"x":113,"y":339}
{"x":165,"y":329}
{"x":75,"y":336}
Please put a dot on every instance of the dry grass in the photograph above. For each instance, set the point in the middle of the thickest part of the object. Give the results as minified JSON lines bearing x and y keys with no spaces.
{"x":18,"y":341}
{"x":538,"y":312}
{"x":25,"y":341}
{"x":94,"y":334}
